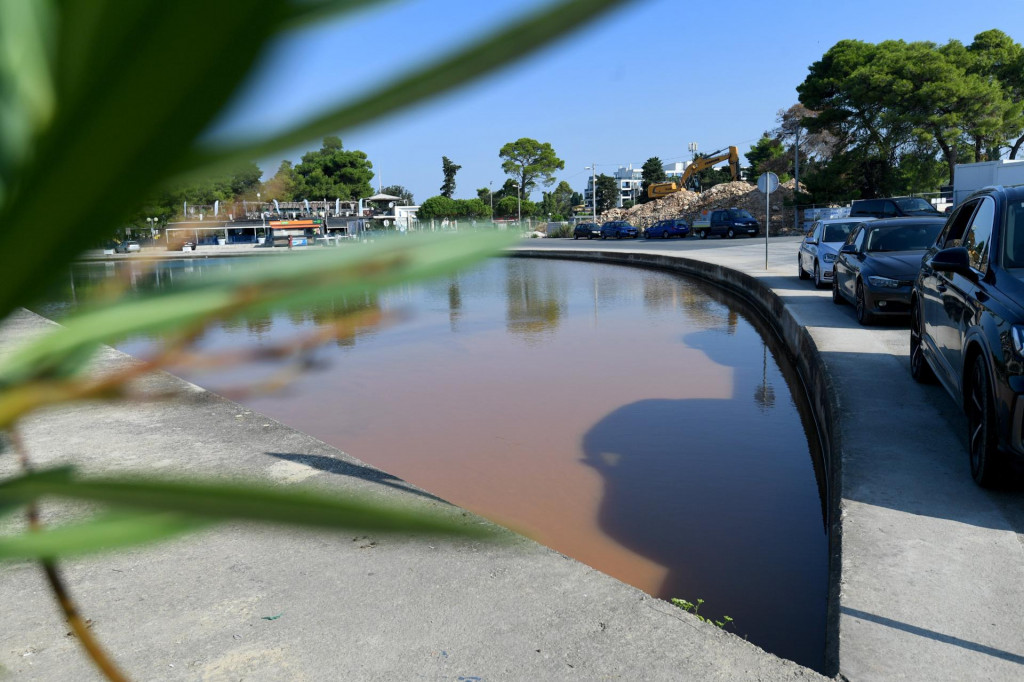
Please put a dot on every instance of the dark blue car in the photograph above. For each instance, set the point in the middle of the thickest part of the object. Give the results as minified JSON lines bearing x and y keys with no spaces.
{"x":664,"y":229}
{"x":619,"y":229}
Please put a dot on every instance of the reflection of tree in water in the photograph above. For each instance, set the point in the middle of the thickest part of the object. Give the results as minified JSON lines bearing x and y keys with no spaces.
{"x":454,"y":304}
{"x":535,"y":304}
{"x":716,"y":491}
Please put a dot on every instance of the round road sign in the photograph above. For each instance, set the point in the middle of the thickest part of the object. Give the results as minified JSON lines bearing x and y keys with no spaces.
{"x":768,"y":183}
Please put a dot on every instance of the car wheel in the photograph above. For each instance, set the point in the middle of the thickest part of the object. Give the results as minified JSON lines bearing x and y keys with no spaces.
{"x":986,"y":462}
{"x":589,"y":237}
{"x":664,"y":234}
{"x":837,"y":297}
{"x":575,"y":236}
{"x":730,"y":234}
{"x":703,"y":234}
{"x":817,"y":275}
{"x":864,"y":316}
{"x":920,"y":370}
{"x":604,"y":236}
{"x":800,"y":272}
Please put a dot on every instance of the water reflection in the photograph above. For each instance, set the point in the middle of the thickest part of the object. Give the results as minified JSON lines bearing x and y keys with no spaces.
{"x":629,"y":418}
{"x":534,"y":304}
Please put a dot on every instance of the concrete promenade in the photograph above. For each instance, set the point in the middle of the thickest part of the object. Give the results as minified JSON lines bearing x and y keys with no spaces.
{"x":928,"y":569}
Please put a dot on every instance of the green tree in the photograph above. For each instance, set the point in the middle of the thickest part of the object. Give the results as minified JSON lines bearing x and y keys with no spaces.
{"x":767,"y":155}
{"x":333,"y":172}
{"x":282,"y":185}
{"x":437,"y":207}
{"x":449,"y":168}
{"x":652,"y":171}
{"x":528,"y":161}
{"x":472,"y":208}
{"x":607,"y":193}
{"x":404,"y":195}
{"x":558,"y":202}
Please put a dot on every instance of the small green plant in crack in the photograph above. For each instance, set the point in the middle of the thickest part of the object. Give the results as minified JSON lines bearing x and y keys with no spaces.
{"x":690,"y":607}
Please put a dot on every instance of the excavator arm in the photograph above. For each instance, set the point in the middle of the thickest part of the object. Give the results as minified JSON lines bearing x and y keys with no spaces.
{"x":731,"y":155}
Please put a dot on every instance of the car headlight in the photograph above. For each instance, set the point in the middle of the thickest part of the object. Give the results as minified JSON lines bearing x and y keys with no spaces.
{"x":829,"y":257}
{"x":877,"y":281}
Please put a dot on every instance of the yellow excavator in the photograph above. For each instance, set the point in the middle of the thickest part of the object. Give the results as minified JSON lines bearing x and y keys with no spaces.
{"x":657,"y":190}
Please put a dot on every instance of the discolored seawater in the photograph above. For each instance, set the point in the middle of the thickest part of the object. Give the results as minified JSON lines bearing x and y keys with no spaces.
{"x":642,"y":423}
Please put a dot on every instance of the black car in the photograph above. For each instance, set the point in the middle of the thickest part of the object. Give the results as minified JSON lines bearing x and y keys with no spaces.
{"x":892,"y":207}
{"x":618,"y":229}
{"x":878,"y":264}
{"x":586,"y":230}
{"x":967,"y":324}
{"x":673,"y":227}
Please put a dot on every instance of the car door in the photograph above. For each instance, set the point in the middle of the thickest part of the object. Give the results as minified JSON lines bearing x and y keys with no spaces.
{"x":809,"y":248}
{"x":850,"y":263}
{"x":718,"y":222}
{"x":937,"y":326}
{"x":962,"y":295}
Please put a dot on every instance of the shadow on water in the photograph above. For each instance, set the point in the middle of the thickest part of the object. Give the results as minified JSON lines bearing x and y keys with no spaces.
{"x":716,"y":492}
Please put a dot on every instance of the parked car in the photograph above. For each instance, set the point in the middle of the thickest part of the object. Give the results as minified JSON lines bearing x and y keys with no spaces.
{"x":587,"y":230}
{"x":128,"y":246}
{"x":618,"y":229}
{"x":967,"y":324}
{"x":820,"y":247}
{"x":727,"y":222}
{"x":673,"y":227}
{"x":892,"y":207}
{"x":878,"y":264}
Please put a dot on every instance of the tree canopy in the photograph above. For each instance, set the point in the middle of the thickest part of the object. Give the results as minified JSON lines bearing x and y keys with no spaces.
{"x":528,"y":162}
{"x":404,"y":195}
{"x":449,"y":168}
{"x":558,"y":202}
{"x":652,"y":171}
{"x":333,"y":172}
{"x":607,"y":193}
{"x":885,"y":104}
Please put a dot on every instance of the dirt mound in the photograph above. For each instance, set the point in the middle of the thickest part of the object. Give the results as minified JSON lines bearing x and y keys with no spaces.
{"x":689,"y":205}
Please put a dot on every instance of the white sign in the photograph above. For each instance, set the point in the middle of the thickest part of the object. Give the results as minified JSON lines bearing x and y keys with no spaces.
{"x":767,"y":183}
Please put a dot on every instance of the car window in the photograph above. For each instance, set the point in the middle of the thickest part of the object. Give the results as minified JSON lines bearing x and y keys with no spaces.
{"x":857,"y":239}
{"x":837,"y":232}
{"x":868,"y":207}
{"x":914,"y":205}
{"x":889,"y":209}
{"x":1013,"y":236}
{"x":979,"y":234}
{"x":957,"y":224}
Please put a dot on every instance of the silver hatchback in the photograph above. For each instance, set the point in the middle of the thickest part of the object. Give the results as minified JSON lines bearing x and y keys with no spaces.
{"x":819,"y":249}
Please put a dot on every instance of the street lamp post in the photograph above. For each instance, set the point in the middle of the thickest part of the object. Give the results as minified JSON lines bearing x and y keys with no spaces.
{"x":519,"y":204}
{"x":490,"y":194}
{"x":593,"y":187}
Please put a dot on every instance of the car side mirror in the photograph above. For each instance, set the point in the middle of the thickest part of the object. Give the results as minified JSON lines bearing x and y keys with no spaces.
{"x":848,"y":248}
{"x":955,"y":259}
{"x":810,"y":240}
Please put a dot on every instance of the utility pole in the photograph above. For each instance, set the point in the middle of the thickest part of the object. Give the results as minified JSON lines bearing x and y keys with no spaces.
{"x":796,"y":179}
{"x":593,"y":187}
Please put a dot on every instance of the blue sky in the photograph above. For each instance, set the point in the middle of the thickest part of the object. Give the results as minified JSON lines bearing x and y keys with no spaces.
{"x":644,"y":81}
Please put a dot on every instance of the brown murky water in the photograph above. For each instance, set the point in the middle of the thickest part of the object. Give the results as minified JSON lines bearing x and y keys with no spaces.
{"x":642,"y":423}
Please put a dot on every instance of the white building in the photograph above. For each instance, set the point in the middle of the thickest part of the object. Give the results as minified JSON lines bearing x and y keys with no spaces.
{"x":675,"y":170}
{"x":629,"y":180}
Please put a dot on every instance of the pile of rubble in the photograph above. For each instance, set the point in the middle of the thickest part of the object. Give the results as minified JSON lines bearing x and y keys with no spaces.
{"x":689,"y":205}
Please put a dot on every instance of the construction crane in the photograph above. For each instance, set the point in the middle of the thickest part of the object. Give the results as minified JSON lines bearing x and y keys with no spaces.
{"x":656,"y":190}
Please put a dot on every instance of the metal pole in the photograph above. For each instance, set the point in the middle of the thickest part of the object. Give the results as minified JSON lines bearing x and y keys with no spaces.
{"x":767,"y":219}
{"x":796,"y":180}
